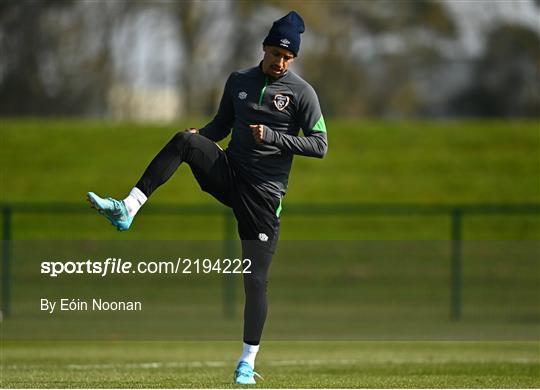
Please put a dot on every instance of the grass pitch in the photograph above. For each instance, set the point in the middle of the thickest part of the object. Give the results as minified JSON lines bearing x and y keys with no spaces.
{"x":307,"y":364}
{"x":368,"y":162}
{"x":455,"y":162}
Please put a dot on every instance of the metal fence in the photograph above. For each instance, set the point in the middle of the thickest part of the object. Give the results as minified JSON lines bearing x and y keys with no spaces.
{"x":456,"y":214}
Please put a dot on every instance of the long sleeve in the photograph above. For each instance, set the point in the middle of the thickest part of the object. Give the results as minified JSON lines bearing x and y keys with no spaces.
{"x":221,"y":125}
{"x":311,"y":121}
{"x":314,"y":144}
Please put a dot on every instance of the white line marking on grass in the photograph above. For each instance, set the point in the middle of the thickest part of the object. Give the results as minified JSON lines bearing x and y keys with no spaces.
{"x":311,"y":362}
{"x":207,"y":363}
{"x":292,"y":362}
{"x":279,"y":363}
{"x":148,"y":365}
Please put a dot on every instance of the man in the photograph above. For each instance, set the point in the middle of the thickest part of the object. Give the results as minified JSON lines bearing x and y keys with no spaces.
{"x":264,"y":107}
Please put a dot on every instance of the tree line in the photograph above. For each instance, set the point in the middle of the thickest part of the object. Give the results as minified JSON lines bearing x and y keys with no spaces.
{"x":365,"y":58}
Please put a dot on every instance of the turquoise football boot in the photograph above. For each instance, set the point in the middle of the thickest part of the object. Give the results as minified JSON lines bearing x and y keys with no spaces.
{"x":114,"y":210}
{"x":244,"y":374}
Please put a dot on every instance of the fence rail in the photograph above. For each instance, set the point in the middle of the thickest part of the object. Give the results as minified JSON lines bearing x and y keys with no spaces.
{"x":455,"y":212}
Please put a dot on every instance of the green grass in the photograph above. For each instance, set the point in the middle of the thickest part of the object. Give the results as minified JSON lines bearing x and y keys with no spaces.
{"x":427,"y":162}
{"x":372,"y":290}
{"x":369,"y":161}
{"x":315,"y":364}
{"x":355,"y":290}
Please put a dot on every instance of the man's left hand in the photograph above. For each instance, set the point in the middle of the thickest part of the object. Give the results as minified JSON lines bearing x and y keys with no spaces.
{"x":258,"y":132}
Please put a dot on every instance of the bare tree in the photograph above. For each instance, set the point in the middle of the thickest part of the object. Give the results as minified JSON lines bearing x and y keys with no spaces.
{"x":57,"y":56}
{"x":506,"y":78}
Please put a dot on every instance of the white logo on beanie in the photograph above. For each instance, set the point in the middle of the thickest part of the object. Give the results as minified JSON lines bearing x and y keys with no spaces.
{"x":285,"y":42}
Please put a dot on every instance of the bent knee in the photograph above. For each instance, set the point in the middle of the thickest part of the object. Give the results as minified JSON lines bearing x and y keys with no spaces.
{"x":181,"y":137}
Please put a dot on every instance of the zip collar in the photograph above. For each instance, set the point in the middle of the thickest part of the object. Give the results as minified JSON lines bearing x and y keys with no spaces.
{"x":270,"y":78}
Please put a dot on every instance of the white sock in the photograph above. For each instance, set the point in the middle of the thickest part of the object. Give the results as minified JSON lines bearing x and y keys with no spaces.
{"x":248,"y":354}
{"x":134,"y":201}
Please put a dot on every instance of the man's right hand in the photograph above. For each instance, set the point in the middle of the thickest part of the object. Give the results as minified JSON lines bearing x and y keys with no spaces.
{"x":192,"y":130}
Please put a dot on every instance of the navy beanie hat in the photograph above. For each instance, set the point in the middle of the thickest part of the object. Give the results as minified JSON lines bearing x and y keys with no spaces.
{"x":285,"y":32}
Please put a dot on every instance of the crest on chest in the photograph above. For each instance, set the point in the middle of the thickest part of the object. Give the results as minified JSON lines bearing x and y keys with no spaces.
{"x":281,"y":102}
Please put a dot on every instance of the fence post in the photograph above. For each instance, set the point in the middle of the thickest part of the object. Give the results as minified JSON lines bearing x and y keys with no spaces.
{"x":229,"y":296}
{"x":6,"y":259}
{"x":455,"y":276}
